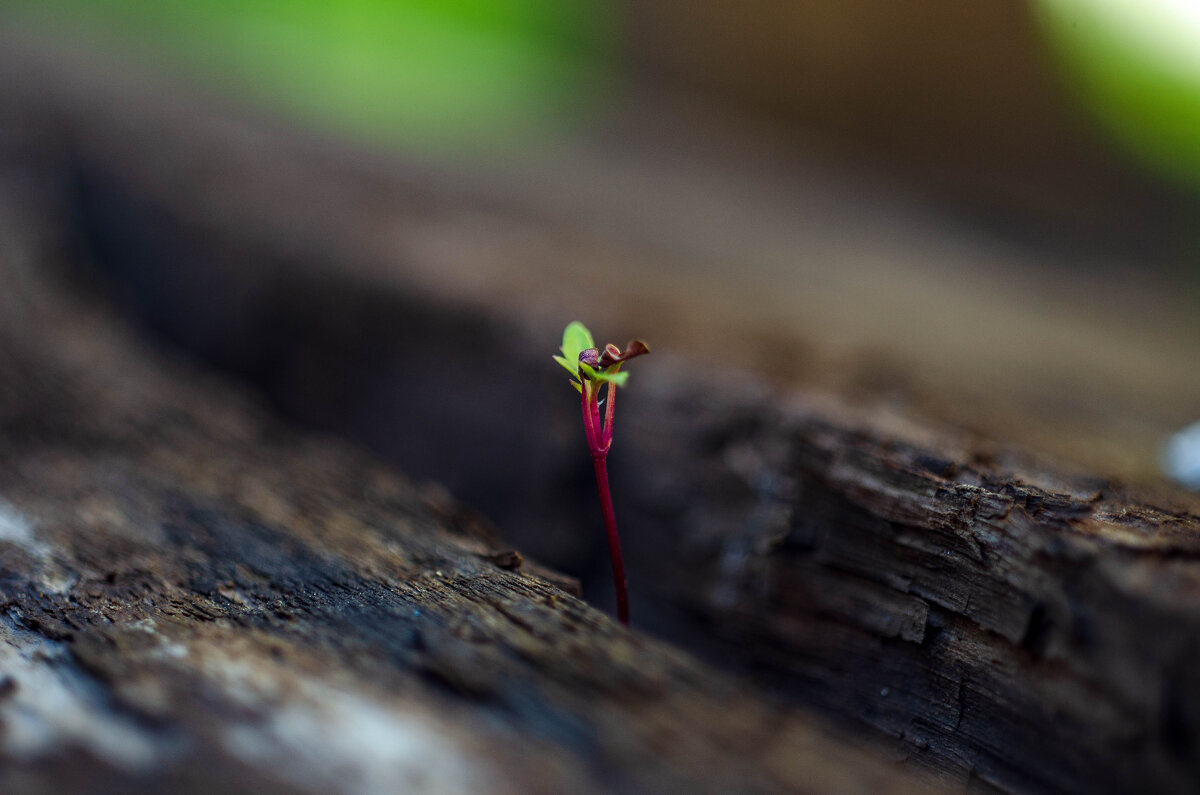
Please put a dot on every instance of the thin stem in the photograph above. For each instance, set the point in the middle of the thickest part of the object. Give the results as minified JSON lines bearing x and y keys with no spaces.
{"x":599,"y":438}
{"x":589,"y":423}
{"x":600,"y":463}
{"x":608,"y":410}
{"x":598,"y":444}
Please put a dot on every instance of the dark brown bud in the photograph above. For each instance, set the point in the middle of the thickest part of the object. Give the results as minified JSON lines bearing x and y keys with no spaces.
{"x":613,"y":354}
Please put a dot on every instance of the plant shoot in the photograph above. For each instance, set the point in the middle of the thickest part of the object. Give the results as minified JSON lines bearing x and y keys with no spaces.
{"x":591,"y":370}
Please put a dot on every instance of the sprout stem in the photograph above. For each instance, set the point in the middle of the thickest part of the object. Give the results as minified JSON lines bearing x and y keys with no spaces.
{"x":600,"y":463}
{"x":599,"y":439}
{"x":608,"y":411}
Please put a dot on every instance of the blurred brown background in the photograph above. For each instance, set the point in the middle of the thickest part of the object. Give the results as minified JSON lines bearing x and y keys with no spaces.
{"x":904,"y":200}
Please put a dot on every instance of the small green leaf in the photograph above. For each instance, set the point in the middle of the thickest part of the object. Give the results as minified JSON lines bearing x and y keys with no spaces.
{"x":576,"y":339}
{"x":617,"y":379}
{"x":570,"y":367}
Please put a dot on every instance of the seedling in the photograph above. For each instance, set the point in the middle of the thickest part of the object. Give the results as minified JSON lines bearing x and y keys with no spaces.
{"x":590,"y":370}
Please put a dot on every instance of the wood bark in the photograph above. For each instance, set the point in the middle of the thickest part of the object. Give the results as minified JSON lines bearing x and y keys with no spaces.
{"x":997,"y":619}
{"x":198,"y":598}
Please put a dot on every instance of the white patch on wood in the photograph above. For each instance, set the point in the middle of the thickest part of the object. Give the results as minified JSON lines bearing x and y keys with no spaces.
{"x":1181,"y":458}
{"x":17,"y":528}
{"x":14,"y":527}
{"x":53,"y":709}
{"x":162,"y":650}
{"x":328,"y":739}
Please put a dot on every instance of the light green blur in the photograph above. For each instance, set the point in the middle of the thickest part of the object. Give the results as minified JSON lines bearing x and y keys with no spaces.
{"x":1136,"y":66}
{"x":435,"y":73}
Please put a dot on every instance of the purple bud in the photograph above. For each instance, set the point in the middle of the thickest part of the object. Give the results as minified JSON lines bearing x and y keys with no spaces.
{"x":590,"y":357}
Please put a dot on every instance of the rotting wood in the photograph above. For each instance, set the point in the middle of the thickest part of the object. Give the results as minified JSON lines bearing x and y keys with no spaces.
{"x":198,"y":598}
{"x":1007,"y":624}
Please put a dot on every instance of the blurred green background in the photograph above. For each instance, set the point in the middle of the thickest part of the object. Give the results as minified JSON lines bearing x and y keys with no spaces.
{"x":1136,"y":65}
{"x":434,"y":73}
{"x":461,"y":74}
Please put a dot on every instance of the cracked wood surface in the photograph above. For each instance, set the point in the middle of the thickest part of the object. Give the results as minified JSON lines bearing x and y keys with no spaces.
{"x":197,"y":598}
{"x":1007,"y":624}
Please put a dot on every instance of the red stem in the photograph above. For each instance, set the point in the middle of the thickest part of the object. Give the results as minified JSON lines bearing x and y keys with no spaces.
{"x":608,"y":410}
{"x":599,"y":438}
{"x":589,"y":423}
{"x":600,"y":463}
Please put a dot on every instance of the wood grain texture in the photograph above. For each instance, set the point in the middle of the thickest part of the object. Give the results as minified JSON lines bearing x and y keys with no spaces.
{"x":1010,"y":625}
{"x":198,"y":598}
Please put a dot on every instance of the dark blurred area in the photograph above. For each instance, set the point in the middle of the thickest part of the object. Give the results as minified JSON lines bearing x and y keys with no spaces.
{"x":957,"y":208}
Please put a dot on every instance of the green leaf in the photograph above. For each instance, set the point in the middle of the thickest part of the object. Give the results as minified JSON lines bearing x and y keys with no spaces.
{"x":592,"y":374}
{"x":617,"y":379}
{"x":576,"y":339}
{"x":570,"y":367}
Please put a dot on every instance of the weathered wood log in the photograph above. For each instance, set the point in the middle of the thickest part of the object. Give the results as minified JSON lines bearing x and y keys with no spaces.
{"x":197,"y":598}
{"x":1009,"y":625}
